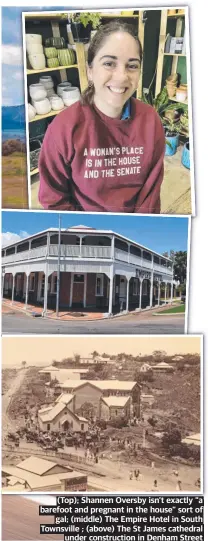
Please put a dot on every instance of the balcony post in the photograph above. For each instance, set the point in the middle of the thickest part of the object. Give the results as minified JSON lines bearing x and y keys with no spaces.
{"x":165,"y":292}
{"x":128,"y":253}
{"x":127,"y":294}
{"x":110,"y":306}
{"x":45,"y":291}
{"x":2,"y":282}
{"x":26,"y":291}
{"x":13,"y":285}
{"x":171,"y":294}
{"x":140,"y":293}
{"x":80,"y":246}
{"x":159,"y":292}
{"x":113,"y":248}
{"x":151,"y":288}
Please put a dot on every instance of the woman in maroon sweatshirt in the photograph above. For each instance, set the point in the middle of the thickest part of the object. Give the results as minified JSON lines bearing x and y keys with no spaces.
{"x":105,"y":153}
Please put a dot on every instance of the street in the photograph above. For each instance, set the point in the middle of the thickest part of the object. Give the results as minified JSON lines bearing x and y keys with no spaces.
{"x":18,"y":323}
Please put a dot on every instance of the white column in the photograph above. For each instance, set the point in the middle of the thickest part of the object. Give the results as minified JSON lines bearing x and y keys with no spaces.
{"x":45,"y":291}
{"x":110,"y":306}
{"x":140,"y":293}
{"x":128,"y":253}
{"x":26,"y":291}
{"x":85,"y":290}
{"x":13,"y":284}
{"x":113,"y":247}
{"x":165,"y":292}
{"x":2,"y":281}
{"x":71,"y":290}
{"x":127,"y":294}
{"x":151,"y":289}
{"x":80,"y":246}
{"x":171,"y":294}
{"x":159,"y":293}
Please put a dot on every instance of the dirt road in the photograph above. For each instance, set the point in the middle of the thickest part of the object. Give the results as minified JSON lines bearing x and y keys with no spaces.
{"x":9,"y":424}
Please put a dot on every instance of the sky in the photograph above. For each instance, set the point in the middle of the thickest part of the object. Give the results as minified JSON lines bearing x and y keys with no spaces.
{"x":42,"y":350}
{"x":160,"y":234}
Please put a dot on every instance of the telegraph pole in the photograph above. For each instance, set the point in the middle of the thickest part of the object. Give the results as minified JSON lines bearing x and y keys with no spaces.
{"x":58,"y":269}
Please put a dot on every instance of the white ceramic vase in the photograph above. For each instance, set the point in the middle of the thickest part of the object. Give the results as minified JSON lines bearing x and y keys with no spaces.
{"x":56,"y":103}
{"x":34,"y":48}
{"x":37,"y":91}
{"x":46,"y":81}
{"x":37,"y":61}
{"x":62,"y":86}
{"x":31,"y":112}
{"x":33,"y":38}
{"x":70,"y":95}
{"x":42,"y":106}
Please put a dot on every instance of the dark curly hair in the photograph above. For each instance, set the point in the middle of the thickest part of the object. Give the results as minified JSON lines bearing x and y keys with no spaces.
{"x":101,"y":35}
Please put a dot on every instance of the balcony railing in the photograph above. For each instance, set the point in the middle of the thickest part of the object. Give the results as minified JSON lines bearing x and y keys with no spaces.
{"x":86,"y":252}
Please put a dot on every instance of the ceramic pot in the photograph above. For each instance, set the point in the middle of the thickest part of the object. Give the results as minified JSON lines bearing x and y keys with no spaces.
{"x":63,"y":86}
{"x":51,"y":92}
{"x":46,"y":81}
{"x":37,"y":61}
{"x":72,"y":94}
{"x":37,"y":91}
{"x":50,"y":52}
{"x":34,"y":48}
{"x":57,"y":42}
{"x":33,"y":38}
{"x":66,"y":57}
{"x":185,"y":159}
{"x":56,"y":103}
{"x":31,"y":112}
{"x":42,"y":106}
{"x":181,"y":94}
{"x":52,"y":62}
{"x":171,"y":149}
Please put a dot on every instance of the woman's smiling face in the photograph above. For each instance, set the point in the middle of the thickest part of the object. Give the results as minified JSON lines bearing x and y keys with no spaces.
{"x":115,"y":72}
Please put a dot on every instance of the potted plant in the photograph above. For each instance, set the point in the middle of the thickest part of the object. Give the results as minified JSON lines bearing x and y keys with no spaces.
{"x":82,"y":24}
{"x":185,"y":158}
{"x":172,"y":129}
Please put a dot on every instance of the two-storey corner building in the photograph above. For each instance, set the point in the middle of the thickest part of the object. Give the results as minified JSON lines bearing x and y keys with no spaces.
{"x":98,"y":269}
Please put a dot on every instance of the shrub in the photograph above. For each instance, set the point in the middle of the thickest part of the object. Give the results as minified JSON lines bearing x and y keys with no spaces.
{"x":13,"y":145}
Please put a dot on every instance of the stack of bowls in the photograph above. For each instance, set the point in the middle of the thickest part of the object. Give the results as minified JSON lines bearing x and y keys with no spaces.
{"x":35,"y":52}
{"x":52,"y":57}
{"x":56,"y":103}
{"x":70,"y":95}
{"x":63,"y":86}
{"x":171,"y":85}
{"x":39,"y":99}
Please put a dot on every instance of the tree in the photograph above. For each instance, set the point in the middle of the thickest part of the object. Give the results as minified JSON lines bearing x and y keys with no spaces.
{"x":158,"y":353}
{"x":172,"y":435}
{"x":24,"y":364}
{"x":94,"y":354}
{"x":179,"y":260}
{"x":77,"y":357}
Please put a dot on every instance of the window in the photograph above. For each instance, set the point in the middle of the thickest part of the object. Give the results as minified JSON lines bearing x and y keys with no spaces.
{"x":32,"y":282}
{"x":99,"y":285}
{"x":54,"y":283}
{"x":144,"y":288}
{"x":135,"y":287}
{"x":48,"y":426}
{"x":82,"y":426}
{"x":79,"y":278}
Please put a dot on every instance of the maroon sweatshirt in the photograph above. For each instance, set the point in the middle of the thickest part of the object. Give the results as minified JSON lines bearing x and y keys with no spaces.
{"x":92,"y":162}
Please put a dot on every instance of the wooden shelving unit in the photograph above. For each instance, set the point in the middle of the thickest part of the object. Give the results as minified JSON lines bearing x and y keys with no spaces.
{"x":45,"y":70}
{"x":161,"y":49}
{"x":34,"y":172}
{"x":48,"y":115}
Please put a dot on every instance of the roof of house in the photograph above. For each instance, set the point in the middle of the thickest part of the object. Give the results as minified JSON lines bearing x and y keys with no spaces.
{"x":110,"y":384}
{"x":117,"y":401}
{"x":65,"y":398}
{"x":49,"y":368}
{"x":37,"y":481}
{"x":37,"y":465}
{"x":163,"y":365}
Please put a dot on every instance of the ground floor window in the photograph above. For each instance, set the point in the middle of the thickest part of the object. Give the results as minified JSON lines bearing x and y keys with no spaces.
{"x":82,"y":426}
{"x":99,"y":285}
{"x":48,"y":426}
{"x":135,"y":287}
{"x":32,"y":282}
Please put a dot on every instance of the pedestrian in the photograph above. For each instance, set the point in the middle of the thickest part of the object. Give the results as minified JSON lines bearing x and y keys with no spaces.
{"x":105,"y":152}
{"x":178,"y":486}
{"x":131,"y":475}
